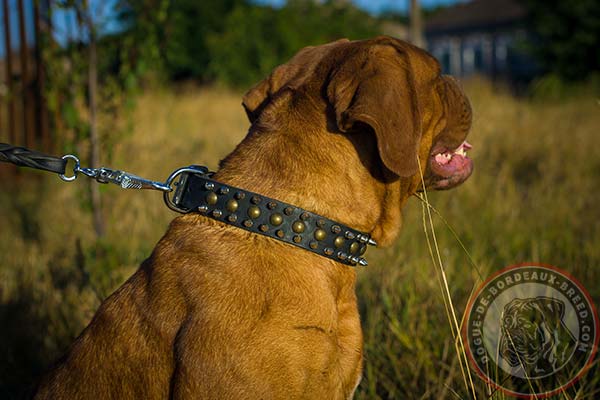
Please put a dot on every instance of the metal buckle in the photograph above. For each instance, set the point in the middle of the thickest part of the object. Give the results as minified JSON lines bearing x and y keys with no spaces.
{"x":173,"y":202}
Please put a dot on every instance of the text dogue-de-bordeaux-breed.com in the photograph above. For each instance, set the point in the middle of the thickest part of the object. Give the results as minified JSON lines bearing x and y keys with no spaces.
{"x":220,"y":312}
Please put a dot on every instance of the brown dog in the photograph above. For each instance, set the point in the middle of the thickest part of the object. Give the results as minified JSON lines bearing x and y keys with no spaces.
{"x":221,"y":313}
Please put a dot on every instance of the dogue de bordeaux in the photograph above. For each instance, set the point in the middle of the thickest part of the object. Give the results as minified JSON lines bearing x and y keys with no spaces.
{"x":342,"y":130}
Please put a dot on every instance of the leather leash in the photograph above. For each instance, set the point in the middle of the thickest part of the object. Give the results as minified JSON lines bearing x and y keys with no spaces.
{"x":191,"y":189}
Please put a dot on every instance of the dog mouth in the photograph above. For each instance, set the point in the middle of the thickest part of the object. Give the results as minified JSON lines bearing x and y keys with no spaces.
{"x":449,"y":167}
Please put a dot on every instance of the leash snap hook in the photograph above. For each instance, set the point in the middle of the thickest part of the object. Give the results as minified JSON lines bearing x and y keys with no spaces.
{"x":128,"y":181}
{"x":120,"y":178}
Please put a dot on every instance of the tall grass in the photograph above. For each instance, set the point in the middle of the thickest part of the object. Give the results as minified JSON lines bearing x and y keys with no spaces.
{"x":533,"y":197}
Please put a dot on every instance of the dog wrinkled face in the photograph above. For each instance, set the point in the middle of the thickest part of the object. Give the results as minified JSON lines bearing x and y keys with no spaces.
{"x":398,"y":91}
{"x":419,"y":118}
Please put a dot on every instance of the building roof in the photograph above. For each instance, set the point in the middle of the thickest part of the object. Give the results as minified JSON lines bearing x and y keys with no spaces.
{"x":476,"y":14}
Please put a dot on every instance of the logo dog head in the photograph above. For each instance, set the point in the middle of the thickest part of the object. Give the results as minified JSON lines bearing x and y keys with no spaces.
{"x":534,"y":336}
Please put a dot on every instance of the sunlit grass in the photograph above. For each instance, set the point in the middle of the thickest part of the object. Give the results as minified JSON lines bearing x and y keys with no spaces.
{"x":533,"y":197}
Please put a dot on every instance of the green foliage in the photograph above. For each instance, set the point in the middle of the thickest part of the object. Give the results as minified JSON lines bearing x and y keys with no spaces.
{"x":235,"y":42}
{"x":256,"y":39}
{"x":567,"y":36}
{"x":551,"y":87}
{"x":189,"y":24}
{"x":122,"y":61}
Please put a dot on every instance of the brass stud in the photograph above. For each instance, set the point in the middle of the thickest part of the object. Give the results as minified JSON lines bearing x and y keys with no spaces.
{"x":320,"y":234}
{"x":298,"y":226}
{"x":255,"y":200}
{"x":271,"y":205}
{"x":321,"y":223}
{"x":224,"y":190}
{"x":232,"y":205}
{"x":276,"y":219}
{"x":297,"y":238}
{"x":209,"y":185}
{"x":354,"y":247}
{"x":217,"y":213}
{"x":280,"y":233}
{"x":288,"y":211}
{"x":336,"y":229}
{"x":203,"y":209}
{"x":339,"y":242}
{"x":363,"y":248}
{"x":232,"y":218}
{"x":239,"y":195}
{"x":254,"y":212}
{"x":350,"y":235}
{"x":304,"y":216}
{"x":328,"y":251}
{"x":247,"y":223}
{"x":212,"y":198}
{"x":313,"y":245}
{"x":263,"y":227}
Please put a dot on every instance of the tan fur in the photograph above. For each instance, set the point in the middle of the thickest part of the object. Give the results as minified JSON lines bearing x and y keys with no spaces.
{"x":220,"y":313}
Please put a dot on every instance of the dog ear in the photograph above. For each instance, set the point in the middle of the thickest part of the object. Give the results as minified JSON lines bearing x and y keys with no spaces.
{"x":261,"y":94}
{"x":375,"y":86}
{"x":299,"y":70}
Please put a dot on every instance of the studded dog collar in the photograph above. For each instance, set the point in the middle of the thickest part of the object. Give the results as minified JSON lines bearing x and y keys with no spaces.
{"x":196,"y":191}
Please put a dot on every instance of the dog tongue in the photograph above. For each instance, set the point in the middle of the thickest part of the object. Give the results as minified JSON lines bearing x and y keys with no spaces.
{"x":440,"y":159}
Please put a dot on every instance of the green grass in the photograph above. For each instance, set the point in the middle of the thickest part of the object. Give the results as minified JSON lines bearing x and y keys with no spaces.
{"x":533,"y":197}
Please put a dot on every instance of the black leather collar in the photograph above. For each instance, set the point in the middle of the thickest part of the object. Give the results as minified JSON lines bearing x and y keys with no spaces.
{"x":196,"y":191}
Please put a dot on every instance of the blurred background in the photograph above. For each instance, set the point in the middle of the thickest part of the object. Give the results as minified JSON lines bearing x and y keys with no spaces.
{"x":151,"y":85}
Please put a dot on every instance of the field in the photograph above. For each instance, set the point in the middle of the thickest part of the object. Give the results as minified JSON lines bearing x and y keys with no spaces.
{"x":532,"y":198}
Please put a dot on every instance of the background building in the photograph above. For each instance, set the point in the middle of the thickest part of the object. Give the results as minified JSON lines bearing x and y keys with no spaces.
{"x":482,"y":37}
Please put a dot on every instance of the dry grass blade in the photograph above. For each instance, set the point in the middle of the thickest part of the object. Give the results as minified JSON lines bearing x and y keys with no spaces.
{"x":455,"y":327}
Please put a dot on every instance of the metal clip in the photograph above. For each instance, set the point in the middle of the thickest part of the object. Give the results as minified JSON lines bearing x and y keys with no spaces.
{"x":121,"y":178}
{"x":129,"y":181}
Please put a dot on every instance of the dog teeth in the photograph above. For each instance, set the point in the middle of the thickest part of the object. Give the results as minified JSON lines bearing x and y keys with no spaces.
{"x":445,"y":157}
{"x":460,"y":151}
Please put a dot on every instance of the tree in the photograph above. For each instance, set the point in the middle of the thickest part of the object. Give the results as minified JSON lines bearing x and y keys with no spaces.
{"x":566,"y":36}
{"x":188,"y":26}
{"x":255,"y":39}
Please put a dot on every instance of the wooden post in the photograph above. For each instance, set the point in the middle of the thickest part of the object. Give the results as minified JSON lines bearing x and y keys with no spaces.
{"x":416,"y":24}
{"x":12,"y":134}
{"x":41,"y":108}
{"x":26,"y":95}
{"x":86,"y":16}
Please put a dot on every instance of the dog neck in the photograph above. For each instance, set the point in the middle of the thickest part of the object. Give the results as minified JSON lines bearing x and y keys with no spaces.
{"x":305,"y":163}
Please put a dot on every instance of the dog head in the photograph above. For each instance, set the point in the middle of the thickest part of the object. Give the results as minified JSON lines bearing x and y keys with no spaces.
{"x":534,"y":336}
{"x":406,"y":121}
{"x":391,"y":88}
